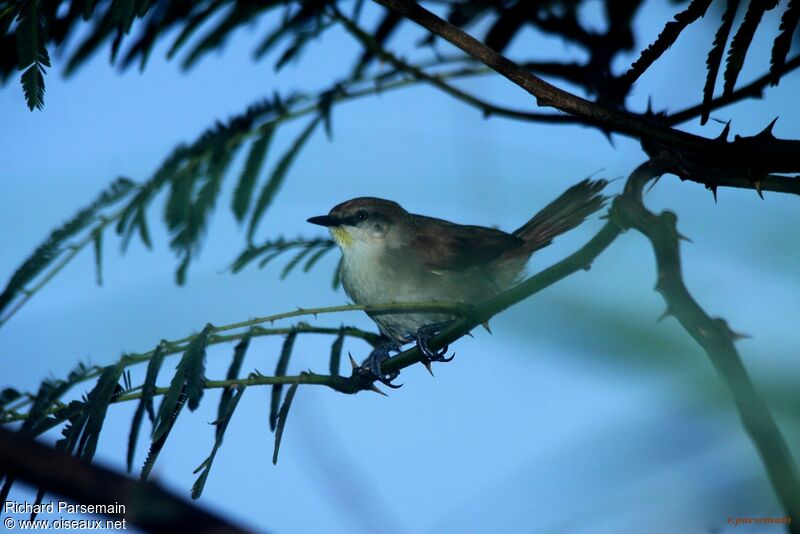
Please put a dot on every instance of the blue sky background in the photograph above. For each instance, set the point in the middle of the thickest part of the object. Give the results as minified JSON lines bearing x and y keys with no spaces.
{"x":577,"y":414}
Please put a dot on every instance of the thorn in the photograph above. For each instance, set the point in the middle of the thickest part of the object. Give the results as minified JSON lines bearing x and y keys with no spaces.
{"x":470,"y":335}
{"x":767,"y":132}
{"x":664,"y":315}
{"x":374,"y":388}
{"x":485,"y":324}
{"x":683,"y":237}
{"x":428,"y":367}
{"x":352,"y":361}
{"x":736,"y":336}
{"x":649,"y":106}
{"x":713,"y":189}
{"x":757,"y":185}
{"x":725,"y":131}
{"x":607,"y":133}
{"x":722,"y":324}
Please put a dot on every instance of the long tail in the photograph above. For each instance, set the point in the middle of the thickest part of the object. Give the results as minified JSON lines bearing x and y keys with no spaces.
{"x":563,"y":214}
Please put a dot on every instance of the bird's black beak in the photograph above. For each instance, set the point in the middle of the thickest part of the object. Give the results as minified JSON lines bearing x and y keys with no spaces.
{"x":325,"y":220}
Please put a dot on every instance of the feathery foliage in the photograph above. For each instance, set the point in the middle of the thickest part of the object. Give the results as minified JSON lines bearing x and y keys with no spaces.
{"x":280,"y":370}
{"x":145,"y":401}
{"x":693,"y":12}
{"x":221,"y":425}
{"x":45,"y":254}
{"x":715,"y":56}
{"x":742,"y":39}
{"x":783,"y":43}
{"x":281,"y":419}
{"x":336,"y":354}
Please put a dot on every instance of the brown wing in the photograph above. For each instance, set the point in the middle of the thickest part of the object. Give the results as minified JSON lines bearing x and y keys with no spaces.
{"x":448,"y":246}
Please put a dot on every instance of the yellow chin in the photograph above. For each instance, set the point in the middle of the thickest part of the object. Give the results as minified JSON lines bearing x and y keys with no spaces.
{"x":341,"y":236}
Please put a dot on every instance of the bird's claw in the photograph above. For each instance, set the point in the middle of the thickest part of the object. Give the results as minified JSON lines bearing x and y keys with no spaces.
{"x":422,"y":337}
{"x":372,"y":367}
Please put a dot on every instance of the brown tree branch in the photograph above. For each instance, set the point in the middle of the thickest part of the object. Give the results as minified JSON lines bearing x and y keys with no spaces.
{"x":147,"y":505}
{"x":714,"y":336}
{"x":778,"y":156}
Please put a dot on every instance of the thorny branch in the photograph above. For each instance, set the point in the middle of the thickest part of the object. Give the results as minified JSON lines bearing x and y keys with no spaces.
{"x":712,"y":334}
{"x":777,"y":156}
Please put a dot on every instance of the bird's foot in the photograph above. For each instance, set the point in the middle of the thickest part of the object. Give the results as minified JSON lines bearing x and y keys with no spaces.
{"x":423,"y":336}
{"x":372,"y":365}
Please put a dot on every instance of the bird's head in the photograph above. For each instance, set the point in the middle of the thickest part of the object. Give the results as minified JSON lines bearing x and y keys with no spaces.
{"x":366,"y":221}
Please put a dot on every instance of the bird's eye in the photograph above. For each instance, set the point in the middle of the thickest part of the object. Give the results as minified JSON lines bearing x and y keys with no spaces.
{"x":361,"y":215}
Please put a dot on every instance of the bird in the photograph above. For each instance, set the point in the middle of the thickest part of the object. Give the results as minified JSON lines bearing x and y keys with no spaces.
{"x":392,"y":256}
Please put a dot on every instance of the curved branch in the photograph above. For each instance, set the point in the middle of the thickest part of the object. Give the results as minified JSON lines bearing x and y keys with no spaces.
{"x":779,"y":156}
{"x":145,"y":504}
{"x":715,"y":337}
{"x":369,"y":43}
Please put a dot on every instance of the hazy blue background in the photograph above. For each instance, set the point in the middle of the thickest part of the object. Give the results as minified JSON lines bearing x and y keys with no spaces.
{"x":577,"y":414}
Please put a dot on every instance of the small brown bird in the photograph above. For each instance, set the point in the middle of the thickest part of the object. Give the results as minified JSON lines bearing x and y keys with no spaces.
{"x":390,"y":255}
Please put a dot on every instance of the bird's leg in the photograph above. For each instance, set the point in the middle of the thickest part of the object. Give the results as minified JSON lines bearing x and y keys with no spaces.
{"x":423,"y":336}
{"x":372,"y":365}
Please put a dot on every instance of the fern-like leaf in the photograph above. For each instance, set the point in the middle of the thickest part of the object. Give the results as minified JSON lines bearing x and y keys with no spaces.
{"x":188,"y":380}
{"x":271,"y":188}
{"x":193,"y":23}
{"x":783,"y":43}
{"x":282,"y":415}
{"x":221,"y":425}
{"x":247,"y":181}
{"x":97,"y":240}
{"x":715,"y":56}
{"x":280,"y":370}
{"x":336,"y":353}
{"x":158,"y":444}
{"x":97,"y":406}
{"x":233,"y":373}
{"x":694,"y":11}
{"x":32,"y":53}
{"x":48,"y":251}
{"x":145,"y":401}
{"x":742,"y":39}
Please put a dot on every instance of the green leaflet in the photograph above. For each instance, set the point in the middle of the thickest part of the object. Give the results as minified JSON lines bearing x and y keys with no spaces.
{"x":275,"y":181}
{"x":188,"y":380}
{"x":783,"y":43}
{"x":158,"y":444}
{"x":672,"y":30}
{"x":145,"y":401}
{"x":233,"y":373}
{"x":294,"y":261}
{"x":32,"y":56}
{"x":715,"y":56}
{"x":96,"y":407}
{"x":742,"y":39}
{"x":282,"y":415}
{"x":52,"y":247}
{"x":317,"y":256}
{"x":247,"y":181}
{"x":280,"y":370}
{"x":222,"y":425}
{"x":336,"y":353}
{"x":97,"y":240}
